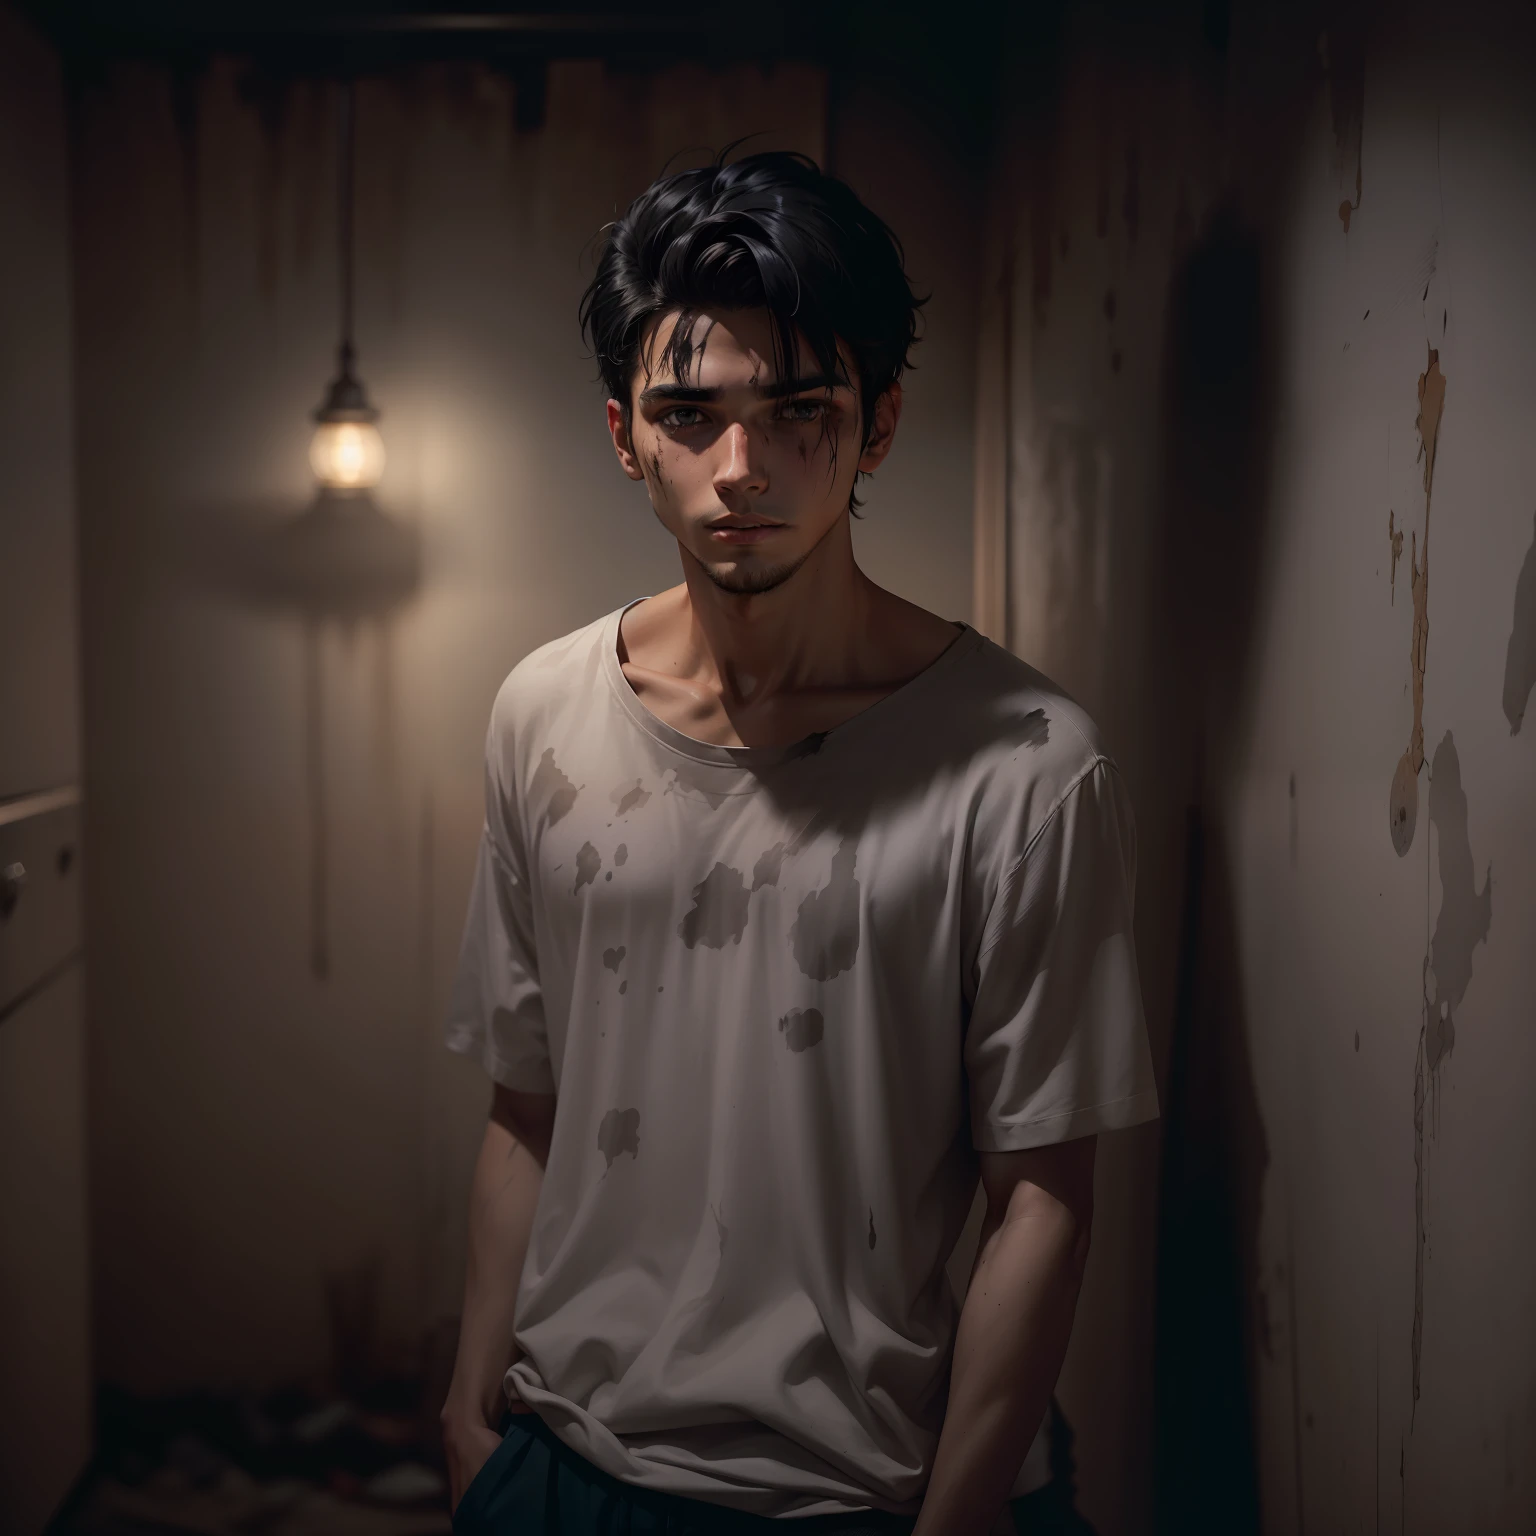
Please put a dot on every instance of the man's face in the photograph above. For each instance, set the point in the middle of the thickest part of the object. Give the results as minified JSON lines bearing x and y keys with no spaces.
{"x":749,"y":471}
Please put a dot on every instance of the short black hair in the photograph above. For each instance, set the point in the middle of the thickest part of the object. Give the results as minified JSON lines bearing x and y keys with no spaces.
{"x":768,"y":231}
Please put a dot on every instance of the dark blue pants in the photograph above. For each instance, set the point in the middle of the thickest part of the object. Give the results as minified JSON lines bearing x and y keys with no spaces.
{"x":535,"y":1485}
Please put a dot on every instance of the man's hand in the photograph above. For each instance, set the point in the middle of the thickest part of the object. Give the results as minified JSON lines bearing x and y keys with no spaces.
{"x":503,"y":1197}
{"x":468,"y":1446}
{"x":1014,"y":1326}
{"x":468,"y":1442}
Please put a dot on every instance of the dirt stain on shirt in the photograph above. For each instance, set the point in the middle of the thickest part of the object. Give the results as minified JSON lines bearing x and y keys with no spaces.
{"x":802,"y":1028}
{"x":588,"y":862}
{"x":551,"y":785}
{"x":769,"y":863}
{"x":825,"y":935}
{"x":627,"y":798}
{"x":719,"y":910}
{"x":619,"y":1132}
{"x":1035,"y":728}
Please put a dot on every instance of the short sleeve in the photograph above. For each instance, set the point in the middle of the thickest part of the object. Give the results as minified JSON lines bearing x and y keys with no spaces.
{"x":496,"y":1010}
{"x":1056,"y":1040}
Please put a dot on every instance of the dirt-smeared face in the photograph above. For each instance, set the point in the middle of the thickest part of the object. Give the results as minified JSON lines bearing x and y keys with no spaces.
{"x":746,"y":469}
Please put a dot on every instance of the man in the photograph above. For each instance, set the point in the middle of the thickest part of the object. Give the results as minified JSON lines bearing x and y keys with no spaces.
{"x":797,"y":908}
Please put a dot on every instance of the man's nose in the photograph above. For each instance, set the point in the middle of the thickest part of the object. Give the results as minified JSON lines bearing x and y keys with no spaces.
{"x":740,"y":469}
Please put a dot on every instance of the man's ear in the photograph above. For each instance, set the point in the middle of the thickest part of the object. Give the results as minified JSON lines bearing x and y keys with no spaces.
{"x":618,"y":430}
{"x":881,"y":435}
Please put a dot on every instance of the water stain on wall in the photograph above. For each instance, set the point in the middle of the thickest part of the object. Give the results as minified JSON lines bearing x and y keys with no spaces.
{"x":186,"y":86}
{"x":1130,"y":206}
{"x":614,"y":958}
{"x":268,"y":94}
{"x":1395,"y":545}
{"x":550,"y":785}
{"x":314,"y":775}
{"x":1465,"y":917}
{"x":825,"y":935}
{"x":1465,"y":912}
{"x":621,"y":854}
{"x":1295,"y":823}
{"x":1520,"y":657}
{"x":1343,"y":54}
{"x":1403,"y":806}
{"x":719,"y":910}
{"x":618,"y":1133}
{"x":871,"y":1228}
{"x":802,"y":1028}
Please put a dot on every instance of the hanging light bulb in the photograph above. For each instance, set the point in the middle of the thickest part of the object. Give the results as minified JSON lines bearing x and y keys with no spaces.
{"x":346,"y":453}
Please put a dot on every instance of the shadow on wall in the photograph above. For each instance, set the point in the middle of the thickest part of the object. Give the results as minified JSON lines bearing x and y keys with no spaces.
{"x":342,"y":562}
{"x":1217,"y":434}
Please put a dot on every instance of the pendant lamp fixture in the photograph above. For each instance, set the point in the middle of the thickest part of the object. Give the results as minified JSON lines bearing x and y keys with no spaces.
{"x":347,"y":453}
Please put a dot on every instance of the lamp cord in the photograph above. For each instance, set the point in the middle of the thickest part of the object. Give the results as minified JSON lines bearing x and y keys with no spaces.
{"x":344,"y":217}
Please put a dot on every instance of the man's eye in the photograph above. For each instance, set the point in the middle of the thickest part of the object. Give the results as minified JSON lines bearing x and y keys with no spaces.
{"x":683,"y":416}
{"x":804,"y":410}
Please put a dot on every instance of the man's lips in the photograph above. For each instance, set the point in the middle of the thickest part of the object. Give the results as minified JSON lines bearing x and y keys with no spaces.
{"x":742,"y":533}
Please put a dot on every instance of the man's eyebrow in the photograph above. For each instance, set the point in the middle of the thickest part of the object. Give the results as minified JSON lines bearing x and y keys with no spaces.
{"x":689,"y":393}
{"x":820,"y":381}
{"x":692,"y":394}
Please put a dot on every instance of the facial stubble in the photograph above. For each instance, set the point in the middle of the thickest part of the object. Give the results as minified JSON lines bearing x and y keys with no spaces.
{"x":750,"y":583}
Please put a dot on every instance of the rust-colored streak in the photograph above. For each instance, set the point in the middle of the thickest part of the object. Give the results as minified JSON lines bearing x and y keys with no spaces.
{"x":1343,"y":56}
{"x":1403,"y":805}
{"x":1431,"y":404}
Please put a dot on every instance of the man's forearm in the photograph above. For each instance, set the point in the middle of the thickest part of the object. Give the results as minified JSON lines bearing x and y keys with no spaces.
{"x":1009,"y":1347}
{"x":504,"y":1194}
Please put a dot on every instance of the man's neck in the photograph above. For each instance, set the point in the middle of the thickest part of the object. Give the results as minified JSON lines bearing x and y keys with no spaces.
{"x":768,"y":669}
{"x":813,"y":631}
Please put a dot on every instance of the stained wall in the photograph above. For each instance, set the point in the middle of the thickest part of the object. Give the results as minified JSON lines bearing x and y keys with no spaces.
{"x":1264,"y":431}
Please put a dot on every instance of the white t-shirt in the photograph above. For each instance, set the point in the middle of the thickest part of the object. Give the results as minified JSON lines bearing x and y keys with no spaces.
{"x":782,"y":994}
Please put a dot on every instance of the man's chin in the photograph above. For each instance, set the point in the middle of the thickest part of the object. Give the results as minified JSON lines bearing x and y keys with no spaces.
{"x":751,"y":577}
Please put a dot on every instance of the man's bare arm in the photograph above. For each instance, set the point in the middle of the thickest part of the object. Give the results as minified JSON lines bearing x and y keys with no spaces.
{"x":504,"y":1194}
{"x":1013,"y":1332}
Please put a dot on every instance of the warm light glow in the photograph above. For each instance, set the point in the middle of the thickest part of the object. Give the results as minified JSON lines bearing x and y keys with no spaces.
{"x":347,"y":455}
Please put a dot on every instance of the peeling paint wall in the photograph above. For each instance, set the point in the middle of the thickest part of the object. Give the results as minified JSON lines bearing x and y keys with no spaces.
{"x":1317,"y":314}
{"x":268,"y":793}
